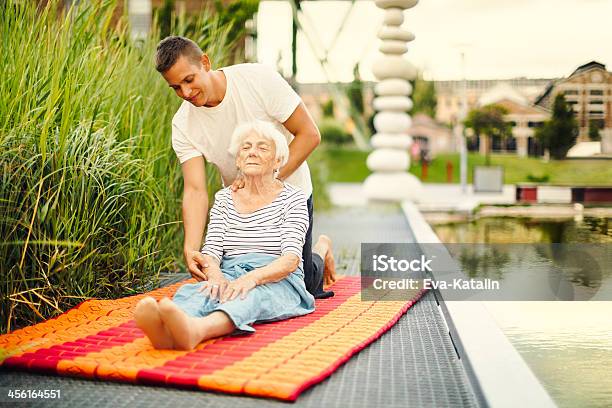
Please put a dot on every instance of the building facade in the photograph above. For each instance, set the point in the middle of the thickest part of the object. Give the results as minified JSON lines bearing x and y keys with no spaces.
{"x":431,"y":136}
{"x":525,"y":119}
{"x":449,"y":94}
{"x":589,"y":90}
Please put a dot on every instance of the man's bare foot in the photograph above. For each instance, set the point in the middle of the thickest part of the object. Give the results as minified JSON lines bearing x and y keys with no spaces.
{"x":324,"y":248}
{"x":149,"y":321}
{"x":185,"y":330}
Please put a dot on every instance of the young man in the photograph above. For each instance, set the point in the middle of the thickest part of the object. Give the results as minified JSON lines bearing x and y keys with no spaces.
{"x":216,"y":101}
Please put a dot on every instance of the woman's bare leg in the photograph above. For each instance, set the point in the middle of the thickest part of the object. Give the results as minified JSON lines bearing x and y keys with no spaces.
{"x":186,"y":331}
{"x":323,"y":248}
{"x":149,"y":321}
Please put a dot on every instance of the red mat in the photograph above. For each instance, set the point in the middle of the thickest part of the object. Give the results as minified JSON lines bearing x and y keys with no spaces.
{"x":99,"y":339}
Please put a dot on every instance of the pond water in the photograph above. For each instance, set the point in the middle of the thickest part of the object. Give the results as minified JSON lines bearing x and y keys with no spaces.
{"x":568,"y":345}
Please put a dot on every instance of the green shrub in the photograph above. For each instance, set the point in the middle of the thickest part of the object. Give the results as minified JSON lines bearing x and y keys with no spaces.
{"x":538,"y":179}
{"x":333,"y":132}
{"x":90,"y":187}
{"x":594,"y":134}
{"x":319,"y":174}
{"x":327,"y":108}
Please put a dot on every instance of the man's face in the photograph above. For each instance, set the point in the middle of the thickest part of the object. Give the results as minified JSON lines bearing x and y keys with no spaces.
{"x":190,"y":82}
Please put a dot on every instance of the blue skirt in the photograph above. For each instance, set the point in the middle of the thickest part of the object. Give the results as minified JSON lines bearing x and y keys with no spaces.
{"x":264,"y":303}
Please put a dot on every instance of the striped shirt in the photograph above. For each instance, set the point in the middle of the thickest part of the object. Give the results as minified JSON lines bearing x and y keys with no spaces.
{"x":277,"y":229}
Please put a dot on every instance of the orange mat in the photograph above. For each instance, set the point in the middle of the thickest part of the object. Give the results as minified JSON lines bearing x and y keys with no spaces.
{"x":99,"y":339}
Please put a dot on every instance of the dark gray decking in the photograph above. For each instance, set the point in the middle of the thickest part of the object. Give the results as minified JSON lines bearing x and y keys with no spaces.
{"x":412,"y":365}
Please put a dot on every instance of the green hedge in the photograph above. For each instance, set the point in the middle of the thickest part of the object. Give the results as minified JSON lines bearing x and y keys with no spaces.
{"x":90,"y":187}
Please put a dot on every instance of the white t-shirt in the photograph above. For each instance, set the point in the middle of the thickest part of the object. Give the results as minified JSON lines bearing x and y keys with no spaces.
{"x":254,"y":91}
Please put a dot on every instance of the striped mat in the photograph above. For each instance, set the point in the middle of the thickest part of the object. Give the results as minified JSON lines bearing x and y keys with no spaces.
{"x":98,"y":339}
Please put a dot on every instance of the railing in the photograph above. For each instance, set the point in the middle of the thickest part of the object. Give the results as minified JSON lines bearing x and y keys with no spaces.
{"x":533,"y":193}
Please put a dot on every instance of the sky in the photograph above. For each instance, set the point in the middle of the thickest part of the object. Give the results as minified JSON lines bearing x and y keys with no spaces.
{"x":499,"y":38}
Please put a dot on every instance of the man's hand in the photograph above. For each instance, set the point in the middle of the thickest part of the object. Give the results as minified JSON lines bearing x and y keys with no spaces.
{"x":215,"y":286}
{"x":240,"y":286}
{"x":238,"y":183}
{"x":196,"y":264}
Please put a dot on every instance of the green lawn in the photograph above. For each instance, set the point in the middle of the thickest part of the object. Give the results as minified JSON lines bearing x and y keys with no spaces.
{"x":348,"y":165}
{"x":342,"y":165}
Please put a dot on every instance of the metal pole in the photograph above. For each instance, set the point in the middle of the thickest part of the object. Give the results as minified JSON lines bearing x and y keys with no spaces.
{"x":463,"y":149}
{"x":294,"y":31}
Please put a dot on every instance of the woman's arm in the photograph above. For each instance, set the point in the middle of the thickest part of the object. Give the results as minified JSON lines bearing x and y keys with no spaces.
{"x":275,"y":271}
{"x":293,"y":235}
{"x":214,"y":267}
{"x":216,"y":282}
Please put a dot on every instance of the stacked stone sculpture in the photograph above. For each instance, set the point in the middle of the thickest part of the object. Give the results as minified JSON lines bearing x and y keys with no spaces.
{"x":389,"y":162}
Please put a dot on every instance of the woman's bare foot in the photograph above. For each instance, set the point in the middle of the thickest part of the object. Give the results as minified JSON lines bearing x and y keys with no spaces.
{"x":185,"y":330}
{"x":149,"y":321}
{"x":323,"y":247}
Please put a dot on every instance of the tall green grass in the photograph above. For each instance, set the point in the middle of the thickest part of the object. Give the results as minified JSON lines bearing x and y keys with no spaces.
{"x":90,"y":187}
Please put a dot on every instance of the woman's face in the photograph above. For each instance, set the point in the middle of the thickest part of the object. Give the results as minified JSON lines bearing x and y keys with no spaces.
{"x":256,"y":156}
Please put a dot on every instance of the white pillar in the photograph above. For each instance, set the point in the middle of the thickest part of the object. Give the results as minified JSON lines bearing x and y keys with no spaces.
{"x":139,"y":12}
{"x":521,"y":144}
{"x":390,"y":160}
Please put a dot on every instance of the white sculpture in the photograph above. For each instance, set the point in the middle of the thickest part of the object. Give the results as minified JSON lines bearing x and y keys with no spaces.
{"x":389,"y":162}
{"x":390,"y":87}
{"x":393,"y":47}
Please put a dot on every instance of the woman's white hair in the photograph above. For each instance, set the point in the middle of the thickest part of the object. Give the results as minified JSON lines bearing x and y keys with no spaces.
{"x":265,"y":130}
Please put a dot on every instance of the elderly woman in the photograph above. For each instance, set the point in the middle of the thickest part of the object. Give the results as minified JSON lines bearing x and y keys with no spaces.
{"x":253,"y":248}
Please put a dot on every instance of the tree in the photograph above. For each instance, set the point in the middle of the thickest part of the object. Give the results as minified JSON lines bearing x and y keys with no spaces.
{"x":164,"y":18}
{"x":333,"y":132}
{"x":355,"y":92}
{"x":234,"y":15}
{"x":488,"y":121}
{"x":327,"y":108}
{"x":594,"y":131}
{"x":424,"y":97}
{"x":559,"y":133}
{"x":231,"y":17}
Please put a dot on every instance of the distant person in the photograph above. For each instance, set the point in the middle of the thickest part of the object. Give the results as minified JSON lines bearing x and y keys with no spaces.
{"x":415,"y":151}
{"x":216,"y":102}
{"x":425,"y":156}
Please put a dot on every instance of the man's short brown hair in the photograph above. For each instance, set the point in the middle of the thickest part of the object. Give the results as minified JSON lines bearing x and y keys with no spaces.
{"x":171,"y":48}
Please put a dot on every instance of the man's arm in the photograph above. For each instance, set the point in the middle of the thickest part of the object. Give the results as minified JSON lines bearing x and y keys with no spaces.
{"x":307,"y":138}
{"x":195,"y":209}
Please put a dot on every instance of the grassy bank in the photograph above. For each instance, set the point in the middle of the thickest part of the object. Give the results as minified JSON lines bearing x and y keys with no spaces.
{"x":342,"y":165}
{"x":525,"y":169}
{"x":348,"y":165}
{"x":90,"y":187}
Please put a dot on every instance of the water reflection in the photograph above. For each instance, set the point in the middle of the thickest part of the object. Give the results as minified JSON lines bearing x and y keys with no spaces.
{"x":489,"y":263}
{"x":526,"y":230}
{"x":531,"y":271}
{"x":568,"y":345}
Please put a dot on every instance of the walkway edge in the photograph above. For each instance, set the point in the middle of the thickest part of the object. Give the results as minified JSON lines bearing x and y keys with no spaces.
{"x":499,"y":375}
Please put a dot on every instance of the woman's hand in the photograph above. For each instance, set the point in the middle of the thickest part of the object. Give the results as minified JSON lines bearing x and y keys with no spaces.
{"x":216,"y":285}
{"x":240,"y":286}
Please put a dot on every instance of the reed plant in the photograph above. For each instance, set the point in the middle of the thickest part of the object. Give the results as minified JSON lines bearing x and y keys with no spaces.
{"x":90,"y":187}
